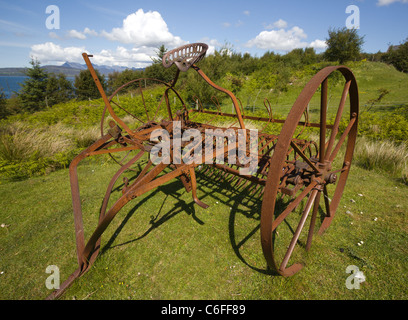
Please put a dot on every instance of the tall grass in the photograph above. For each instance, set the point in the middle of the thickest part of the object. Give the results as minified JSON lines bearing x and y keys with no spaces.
{"x":27,"y":150}
{"x":19,"y":142}
{"x":382,"y":155}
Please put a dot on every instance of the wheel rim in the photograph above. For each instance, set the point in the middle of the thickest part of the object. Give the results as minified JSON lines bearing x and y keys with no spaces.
{"x":150,"y":115}
{"x":316,"y":196}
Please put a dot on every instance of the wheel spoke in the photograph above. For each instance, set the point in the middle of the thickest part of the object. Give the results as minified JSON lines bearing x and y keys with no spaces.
{"x":310,"y":163}
{"x":326,"y":201}
{"x":292,"y":206}
{"x":158,"y":107}
{"x":342,"y":138}
{"x":336,"y":124}
{"x":299,"y":228}
{"x":313,"y":220}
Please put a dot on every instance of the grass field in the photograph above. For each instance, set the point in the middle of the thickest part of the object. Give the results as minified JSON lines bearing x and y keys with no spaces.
{"x":163,"y":246}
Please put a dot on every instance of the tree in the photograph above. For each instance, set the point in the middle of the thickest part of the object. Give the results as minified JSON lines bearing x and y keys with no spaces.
{"x":58,"y":89}
{"x":117,"y":79}
{"x":86,"y":87}
{"x":343,"y":45}
{"x":160,"y":54}
{"x":398,"y":56}
{"x":156,"y":70}
{"x":32,"y":92}
{"x":3,"y":105}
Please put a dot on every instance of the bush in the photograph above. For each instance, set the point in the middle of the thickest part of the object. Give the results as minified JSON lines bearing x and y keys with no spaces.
{"x":398,"y":56}
{"x":86,"y":88}
{"x":393,"y":127}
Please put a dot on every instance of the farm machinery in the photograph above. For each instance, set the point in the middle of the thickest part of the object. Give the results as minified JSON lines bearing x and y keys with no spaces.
{"x":300,"y":181}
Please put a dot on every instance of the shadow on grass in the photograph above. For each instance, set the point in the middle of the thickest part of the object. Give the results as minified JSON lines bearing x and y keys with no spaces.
{"x":170,"y":190}
{"x":215,"y":184}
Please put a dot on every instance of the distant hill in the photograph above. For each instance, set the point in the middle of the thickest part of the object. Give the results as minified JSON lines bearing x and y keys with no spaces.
{"x":70,"y":69}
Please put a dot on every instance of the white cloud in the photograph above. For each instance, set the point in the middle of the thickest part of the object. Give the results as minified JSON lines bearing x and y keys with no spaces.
{"x":138,"y":58}
{"x":388,"y":2}
{"x":50,"y":52}
{"x":283,"y":40}
{"x":82,"y":35}
{"x":280,"y":40}
{"x":90,"y":32}
{"x":318,"y":44}
{"x":281,"y":24}
{"x":76,"y":34}
{"x":53,"y":35}
{"x":144,"y":29}
{"x":247,"y":12}
{"x":213,"y":44}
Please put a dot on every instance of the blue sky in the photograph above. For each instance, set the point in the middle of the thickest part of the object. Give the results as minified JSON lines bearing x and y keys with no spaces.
{"x":128,"y":32}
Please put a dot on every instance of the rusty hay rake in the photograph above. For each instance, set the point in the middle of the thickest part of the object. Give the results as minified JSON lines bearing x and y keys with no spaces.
{"x":299,"y":180}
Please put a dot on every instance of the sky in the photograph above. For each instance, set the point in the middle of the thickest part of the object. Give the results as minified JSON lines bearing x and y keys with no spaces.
{"x":128,"y":32}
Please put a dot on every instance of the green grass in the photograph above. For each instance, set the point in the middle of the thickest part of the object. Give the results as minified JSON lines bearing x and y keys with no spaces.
{"x":161,"y":246}
{"x":371,"y":76}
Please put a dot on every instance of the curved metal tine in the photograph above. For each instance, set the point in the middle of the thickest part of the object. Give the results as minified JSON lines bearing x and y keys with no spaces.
{"x":124,"y":158}
{"x":194,"y":189}
{"x":305,"y":114}
{"x":242,"y":108}
{"x":217,"y":104}
{"x":198,"y":101}
{"x":200,"y":107}
{"x":218,"y":108}
{"x":114,"y":179}
{"x":299,"y":228}
{"x":242,"y":113}
{"x":323,"y":116}
{"x":336,"y":124}
{"x":269,"y":110}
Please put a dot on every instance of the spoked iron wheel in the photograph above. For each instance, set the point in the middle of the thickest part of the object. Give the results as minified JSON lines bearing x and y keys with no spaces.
{"x":288,"y":226}
{"x":151,"y":101}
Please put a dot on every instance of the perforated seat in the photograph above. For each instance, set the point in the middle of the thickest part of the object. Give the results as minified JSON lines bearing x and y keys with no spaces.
{"x":184,"y":57}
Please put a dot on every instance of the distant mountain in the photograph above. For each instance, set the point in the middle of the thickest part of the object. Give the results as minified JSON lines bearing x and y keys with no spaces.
{"x":74,"y":65}
{"x":70,"y":69}
{"x":12,"y":71}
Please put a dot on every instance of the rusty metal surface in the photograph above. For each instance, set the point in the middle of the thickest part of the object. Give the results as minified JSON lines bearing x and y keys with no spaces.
{"x":287,"y":166}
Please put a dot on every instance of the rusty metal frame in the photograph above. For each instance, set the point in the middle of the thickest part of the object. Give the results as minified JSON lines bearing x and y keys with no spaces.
{"x":287,"y":165}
